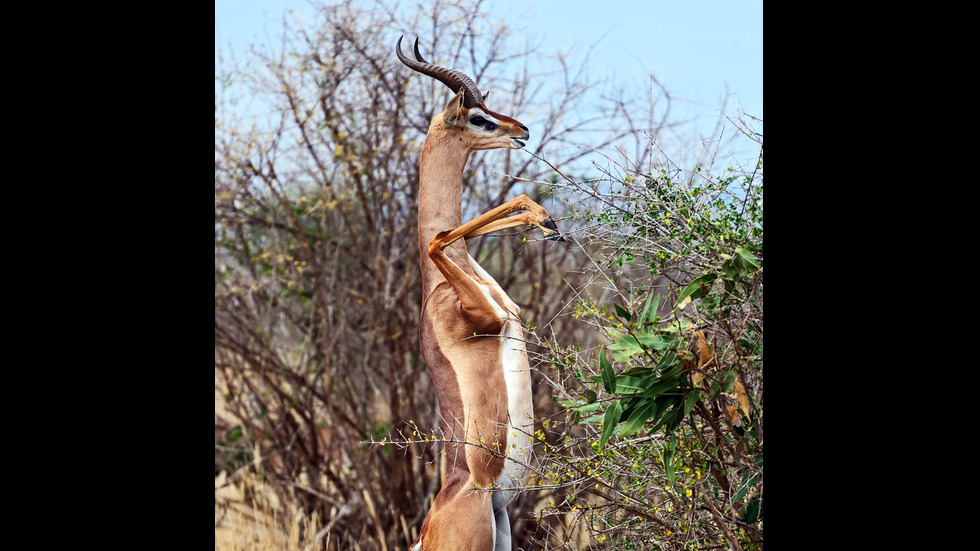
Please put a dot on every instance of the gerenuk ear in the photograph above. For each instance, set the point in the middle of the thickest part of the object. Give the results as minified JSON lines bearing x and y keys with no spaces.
{"x":454,"y":111}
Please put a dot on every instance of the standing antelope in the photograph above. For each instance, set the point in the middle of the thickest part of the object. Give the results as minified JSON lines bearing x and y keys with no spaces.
{"x":470,"y":332}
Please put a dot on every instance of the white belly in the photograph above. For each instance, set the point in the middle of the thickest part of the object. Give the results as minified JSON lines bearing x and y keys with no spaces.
{"x":517,"y":374}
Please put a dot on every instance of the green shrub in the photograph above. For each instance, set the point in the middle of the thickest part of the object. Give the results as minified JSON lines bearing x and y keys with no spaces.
{"x":662,"y":447}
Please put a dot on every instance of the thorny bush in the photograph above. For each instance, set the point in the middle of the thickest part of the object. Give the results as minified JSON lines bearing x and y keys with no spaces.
{"x":661,"y":442}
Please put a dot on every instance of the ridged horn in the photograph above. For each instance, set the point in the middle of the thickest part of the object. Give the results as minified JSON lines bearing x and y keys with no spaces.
{"x":451,"y":78}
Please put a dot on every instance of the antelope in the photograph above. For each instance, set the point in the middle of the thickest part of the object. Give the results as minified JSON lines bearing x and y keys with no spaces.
{"x":470,"y":333}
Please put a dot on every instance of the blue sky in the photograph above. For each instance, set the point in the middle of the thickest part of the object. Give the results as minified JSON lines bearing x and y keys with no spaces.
{"x":695,"y":48}
{"x":700,"y":50}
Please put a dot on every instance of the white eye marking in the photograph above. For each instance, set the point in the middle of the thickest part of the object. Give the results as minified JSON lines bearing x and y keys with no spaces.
{"x":480,"y":119}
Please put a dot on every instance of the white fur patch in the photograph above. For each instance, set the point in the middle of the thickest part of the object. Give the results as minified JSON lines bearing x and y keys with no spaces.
{"x":476,"y":111}
{"x":517,"y":375}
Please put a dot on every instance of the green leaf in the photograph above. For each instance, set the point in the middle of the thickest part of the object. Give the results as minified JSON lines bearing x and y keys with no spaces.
{"x":669,"y":421}
{"x":747,"y":345}
{"x":650,"y":308}
{"x":753,"y":512}
{"x":638,"y":418}
{"x":747,"y":258}
{"x":642,"y":372}
{"x":606,"y":370}
{"x":731,"y":271}
{"x":629,"y":404}
{"x":609,"y":421}
{"x":624,"y":384}
{"x":659,"y":388}
{"x":668,"y":361}
{"x":669,"y":417}
{"x":622,"y":312}
{"x":696,"y":289}
{"x":715,"y":389}
{"x":623,"y":356}
{"x":690,"y":400}
{"x":680,"y":327}
{"x":662,"y":404}
{"x":668,"y":459}
{"x":674,"y":372}
{"x":729,"y":380}
{"x":747,"y":483}
{"x":628,"y":345}
{"x":656,"y":342}
{"x":233,"y":435}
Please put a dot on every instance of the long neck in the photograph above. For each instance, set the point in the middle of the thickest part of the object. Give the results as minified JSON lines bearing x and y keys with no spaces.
{"x":440,"y":202}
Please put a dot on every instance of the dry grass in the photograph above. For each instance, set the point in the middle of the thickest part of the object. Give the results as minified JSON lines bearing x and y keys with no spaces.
{"x":256,"y":528}
{"x":247,"y":515}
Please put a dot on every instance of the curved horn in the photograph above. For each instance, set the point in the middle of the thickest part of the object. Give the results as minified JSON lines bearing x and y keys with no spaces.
{"x":455,"y":80}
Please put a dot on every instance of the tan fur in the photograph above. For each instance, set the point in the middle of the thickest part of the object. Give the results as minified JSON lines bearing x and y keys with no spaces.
{"x":465,"y":523}
{"x":464,"y":316}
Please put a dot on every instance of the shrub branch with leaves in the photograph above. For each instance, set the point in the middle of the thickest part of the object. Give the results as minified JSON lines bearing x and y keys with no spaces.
{"x":662,"y":444}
